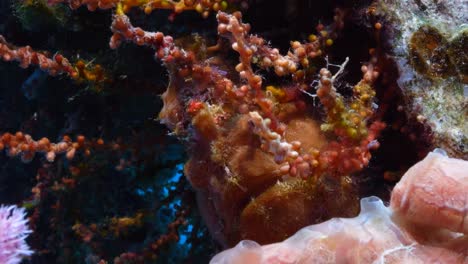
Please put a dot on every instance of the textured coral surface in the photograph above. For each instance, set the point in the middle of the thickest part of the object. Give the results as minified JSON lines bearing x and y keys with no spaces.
{"x":431,"y":196}
{"x":259,"y":156}
{"x":428,"y":40}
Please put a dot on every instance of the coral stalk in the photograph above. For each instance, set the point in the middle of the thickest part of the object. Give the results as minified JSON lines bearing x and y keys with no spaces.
{"x":26,"y":56}
{"x":53,"y":65}
{"x":351,"y":151}
{"x":201,"y":6}
{"x":251,"y":46}
{"x":164,"y":45}
{"x":23,"y":144}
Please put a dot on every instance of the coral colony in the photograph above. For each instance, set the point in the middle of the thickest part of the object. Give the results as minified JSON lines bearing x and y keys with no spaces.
{"x":13,"y":232}
{"x":380,"y":234}
{"x":276,"y":139}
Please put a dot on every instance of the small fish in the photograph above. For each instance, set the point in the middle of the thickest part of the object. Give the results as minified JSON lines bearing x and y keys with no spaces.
{"x":33,"y":84}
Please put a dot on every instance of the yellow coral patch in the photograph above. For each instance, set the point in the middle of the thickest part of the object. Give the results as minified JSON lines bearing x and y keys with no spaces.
{"x":278,"y":93}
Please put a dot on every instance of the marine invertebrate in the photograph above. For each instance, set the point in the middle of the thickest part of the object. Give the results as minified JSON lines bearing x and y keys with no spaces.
{"x":26,"y":57}
{"x":381,"y":234}
{"x":13,"y":232}
{"x":148,"y":6}
{"x":22,"y":144}
{"x":431,"y":182}
{"x":229,"y":101}
{"x":54,"y":65}
{"x":251,"y":140}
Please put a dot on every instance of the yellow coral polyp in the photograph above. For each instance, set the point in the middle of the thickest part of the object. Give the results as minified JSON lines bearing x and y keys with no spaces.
{"x":166,"y":4}
{"x":199,"y":8}
{"x":352,"y":133}
{"x":86,"y":73}
{"x":365,"y":97}
{"x":326,"y":127}
{"x":278,"y":93}
{"x":120,"y":225}
{"x":28,"y":3}
{"x":312,"y":37}
{"x":89,"y":76}
{"x":224,"y":5}
{"x":119,"y":9}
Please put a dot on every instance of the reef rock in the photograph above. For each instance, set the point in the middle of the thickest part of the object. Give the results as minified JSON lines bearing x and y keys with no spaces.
{"x":428,"y":40}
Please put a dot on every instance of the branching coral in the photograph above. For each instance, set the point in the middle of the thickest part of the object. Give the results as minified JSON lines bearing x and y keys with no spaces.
{"x":22,"y":144}
{"x":26,"y":57}
{"x":254,"y":48}
{"x":201,"y":6}
{"x":347,"y":123}
{"x":207,"y":97}
{"x":55,"y":65}
{"x":350,"y":152}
